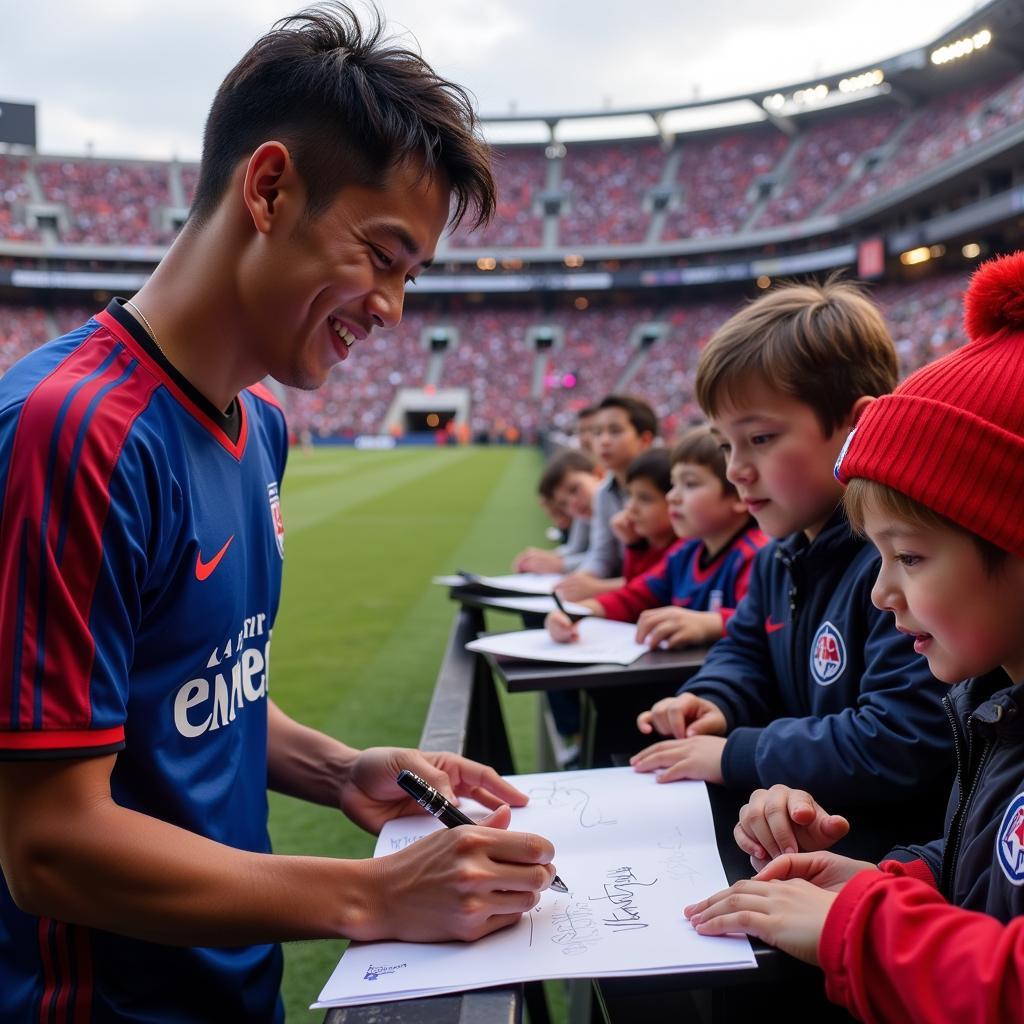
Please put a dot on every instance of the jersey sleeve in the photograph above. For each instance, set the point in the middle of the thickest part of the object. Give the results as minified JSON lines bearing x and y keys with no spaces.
{"x":74,"y":549}
{"x":893,"y":949}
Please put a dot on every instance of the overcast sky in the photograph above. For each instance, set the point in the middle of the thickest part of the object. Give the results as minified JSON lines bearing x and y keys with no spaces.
{"x":135,"y":77}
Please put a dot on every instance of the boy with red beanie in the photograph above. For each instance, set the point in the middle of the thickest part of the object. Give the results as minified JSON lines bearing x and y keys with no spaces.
{"x":936,"y":474}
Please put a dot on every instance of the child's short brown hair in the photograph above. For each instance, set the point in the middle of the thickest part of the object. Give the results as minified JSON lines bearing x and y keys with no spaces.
{"x":861,"y":493}
{"x":569,"y":460}
{"x":699,"y":447}
{"x":652,"y":465}
{"x":639,"y":412}
{"x":825,"y":345}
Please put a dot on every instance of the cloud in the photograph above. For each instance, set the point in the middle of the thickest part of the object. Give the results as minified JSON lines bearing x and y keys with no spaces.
{"x":137,"y":76}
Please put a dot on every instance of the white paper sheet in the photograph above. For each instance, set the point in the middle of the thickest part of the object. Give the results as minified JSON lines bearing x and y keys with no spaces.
{"x":632,"y":852}
{"x":601,"y":642}
{"x":514,"y":583}
{"x":541,"y":605}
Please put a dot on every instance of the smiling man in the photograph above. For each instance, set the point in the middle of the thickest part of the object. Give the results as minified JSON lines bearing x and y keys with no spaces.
{"x":142,"y":544}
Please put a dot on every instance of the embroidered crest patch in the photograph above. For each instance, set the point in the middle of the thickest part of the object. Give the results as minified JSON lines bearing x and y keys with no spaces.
{"x":828,"y":654}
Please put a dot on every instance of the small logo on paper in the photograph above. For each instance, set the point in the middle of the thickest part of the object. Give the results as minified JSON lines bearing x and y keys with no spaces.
{"x":375,"y":972}
{"x":828,"y":654}
{"x":1010,"y":842}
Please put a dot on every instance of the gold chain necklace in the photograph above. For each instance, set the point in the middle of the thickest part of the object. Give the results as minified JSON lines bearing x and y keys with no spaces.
{"x":148,"y":326}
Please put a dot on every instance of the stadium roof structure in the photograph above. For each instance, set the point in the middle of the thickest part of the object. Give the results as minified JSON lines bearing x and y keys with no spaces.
{"x":911,"y":77}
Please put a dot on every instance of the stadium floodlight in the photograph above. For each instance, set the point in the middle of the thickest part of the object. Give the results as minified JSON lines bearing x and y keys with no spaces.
{"x":971,"y":251}
{"x":486,"y":263}
{"x":962,"y":47}
{"x":811,"y":95}
{"x":868,"y":80}
{"x":774,"y":102}
{"x":910,"y":258}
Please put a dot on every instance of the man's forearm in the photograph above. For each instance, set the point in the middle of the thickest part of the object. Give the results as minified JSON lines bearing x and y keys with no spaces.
{"x":303,"y":762}
{"x":121,"y":871}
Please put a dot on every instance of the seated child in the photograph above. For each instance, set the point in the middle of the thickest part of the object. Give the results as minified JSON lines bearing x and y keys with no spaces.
{"x":936,"y":473}
{"x":688,"y":598}
{"x":811,"y":685}
{"x":569,"y":482}
{"x":625,"y":428}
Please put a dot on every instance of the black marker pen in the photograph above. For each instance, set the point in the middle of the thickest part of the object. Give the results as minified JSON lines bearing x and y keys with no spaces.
{"x":451,"y":817}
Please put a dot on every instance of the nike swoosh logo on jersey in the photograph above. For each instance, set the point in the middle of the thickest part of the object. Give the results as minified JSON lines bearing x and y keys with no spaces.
{"x":204,"y":570}
{"x":773,"y":627}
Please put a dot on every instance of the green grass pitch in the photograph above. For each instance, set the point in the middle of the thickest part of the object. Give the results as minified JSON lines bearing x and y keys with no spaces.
{"x":361,"y":630}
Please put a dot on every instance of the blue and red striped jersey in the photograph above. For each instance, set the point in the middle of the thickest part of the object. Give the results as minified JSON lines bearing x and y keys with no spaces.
{"x":141,"y":548}
{"x":688,"y":578}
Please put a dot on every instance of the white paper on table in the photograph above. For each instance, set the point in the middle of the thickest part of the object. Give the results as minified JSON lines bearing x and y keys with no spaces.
{"x":515,"y":583}
{"x":541,"y":605}
{"x":632,"y":852}
{"x":601,"y":642}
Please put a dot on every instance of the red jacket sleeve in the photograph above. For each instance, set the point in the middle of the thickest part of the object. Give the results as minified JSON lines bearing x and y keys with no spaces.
{"x":894,"y":950}
{"x":627,"y":602}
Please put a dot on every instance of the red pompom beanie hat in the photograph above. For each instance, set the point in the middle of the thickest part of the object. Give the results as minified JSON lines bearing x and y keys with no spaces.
{"x":951,"y":436}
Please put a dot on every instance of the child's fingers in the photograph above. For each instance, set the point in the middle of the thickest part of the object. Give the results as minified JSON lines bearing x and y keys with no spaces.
{"x":645,"y":722}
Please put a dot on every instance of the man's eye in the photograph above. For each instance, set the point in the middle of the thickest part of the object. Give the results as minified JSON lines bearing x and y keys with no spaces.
{"x":382,"y":257}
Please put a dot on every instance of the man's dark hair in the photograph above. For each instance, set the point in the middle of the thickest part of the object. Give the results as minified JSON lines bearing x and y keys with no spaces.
{"x":570,"y":460}
{"x":350,"y":105}
{"x":641,"y":415}
{"x":586,"y":412}
{"x":654,"y":465}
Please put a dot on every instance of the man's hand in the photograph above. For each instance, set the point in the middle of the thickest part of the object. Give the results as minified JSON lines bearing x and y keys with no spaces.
{"x":621,"y":525}
{"x":696,"y":758}
{"x":677,"y":627}
{"x":561,"y":628}
{"x":458,"y":883}
{"x":787,"y":914}
{"x":783,"y":820}
{"x":538,"y":560}
{"x":685,"y":715}
{"x":370,"y":795}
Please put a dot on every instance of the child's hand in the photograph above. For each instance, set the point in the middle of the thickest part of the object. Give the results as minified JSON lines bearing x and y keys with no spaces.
{"x":696,"y":758}
{"x":685,"y":715}
{"x":537,"y":560}
{"x":825,"y":870}
{"x":677,"y":627}
{"x":783,"y":820}
{"x":787,"y":914}
{"x":561,"y":628}
{"x":578,"y":586}
{"x":621,"y":524}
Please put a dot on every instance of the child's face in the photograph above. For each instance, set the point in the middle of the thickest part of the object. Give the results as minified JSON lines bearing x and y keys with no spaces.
{"x":586,"y":427}
{"x":576,"y":493}
{"x":780,"y":460}
{"x":698,"y":505}
{"x":966,"y":620}
{"x":647,"y":509}
{"x":616,"y":441}
{"x":556,"y":513}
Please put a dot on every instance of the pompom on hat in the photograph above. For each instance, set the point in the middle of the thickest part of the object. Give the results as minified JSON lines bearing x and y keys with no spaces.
{"x":951,"y":436}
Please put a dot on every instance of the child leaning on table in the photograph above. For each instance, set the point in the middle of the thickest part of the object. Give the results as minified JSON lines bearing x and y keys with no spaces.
{"x":811,"y":685}
{"x":936,"y":472}
{"x":690,"y":595}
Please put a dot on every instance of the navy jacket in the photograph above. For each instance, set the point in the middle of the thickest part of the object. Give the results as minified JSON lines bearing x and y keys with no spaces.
{"x":820,"y":692}
{"x":979,"y":862}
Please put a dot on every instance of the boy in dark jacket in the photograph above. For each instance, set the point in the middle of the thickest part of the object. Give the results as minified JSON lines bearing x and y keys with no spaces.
{"x":936,"y":472}
{"x":811,"y":685}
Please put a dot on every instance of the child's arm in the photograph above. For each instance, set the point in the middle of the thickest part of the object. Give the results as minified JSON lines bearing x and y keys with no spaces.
{"x":893,"y":949}
{"x":580,"y":586}
{"x":538,"y":560}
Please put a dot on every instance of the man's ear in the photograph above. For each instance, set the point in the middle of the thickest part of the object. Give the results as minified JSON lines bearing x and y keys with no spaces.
{"x":271,"y":187}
